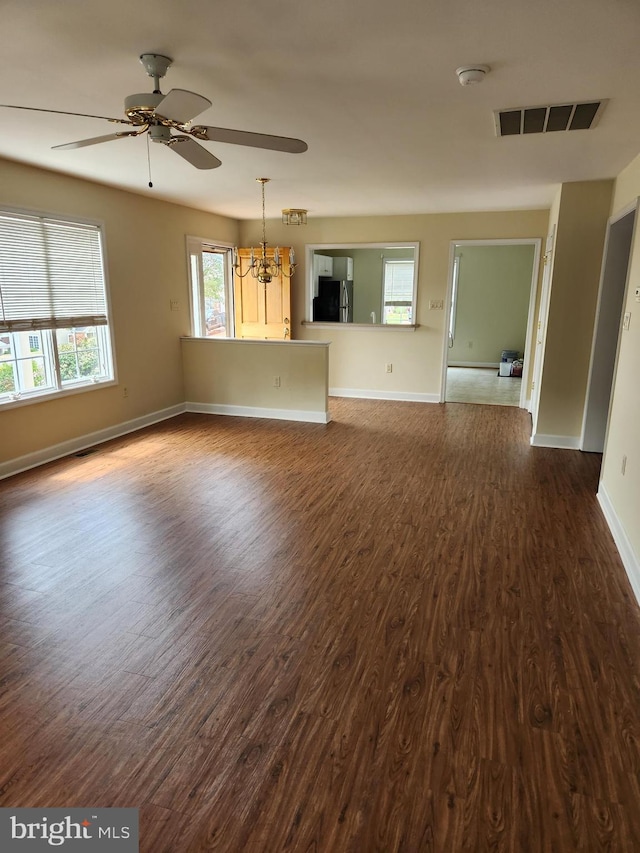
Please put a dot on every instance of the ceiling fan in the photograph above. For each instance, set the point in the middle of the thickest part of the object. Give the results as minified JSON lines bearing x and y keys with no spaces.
{"x":159,"y":115}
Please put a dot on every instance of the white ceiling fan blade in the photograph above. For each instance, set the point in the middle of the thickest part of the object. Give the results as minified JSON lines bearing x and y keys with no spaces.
{"x":95,"y":140}
{"x":194,"y":153}
{"x":181,"y":106}
{"x":255,"y":140}
{"x":63,"y":113}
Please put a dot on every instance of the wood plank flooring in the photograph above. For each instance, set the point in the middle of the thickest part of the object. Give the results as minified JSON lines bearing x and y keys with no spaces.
{"x":406,"y":630}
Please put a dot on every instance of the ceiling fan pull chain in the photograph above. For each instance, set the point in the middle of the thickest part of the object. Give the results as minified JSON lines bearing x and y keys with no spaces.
{"x":149,"y":163}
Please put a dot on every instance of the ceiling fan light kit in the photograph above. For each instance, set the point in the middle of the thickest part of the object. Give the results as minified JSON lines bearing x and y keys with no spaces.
{"x":470,"y":74}
{"x":160,"y":114}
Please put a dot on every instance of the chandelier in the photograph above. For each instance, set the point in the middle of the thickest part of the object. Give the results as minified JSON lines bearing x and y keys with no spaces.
{"x":262,"y":267}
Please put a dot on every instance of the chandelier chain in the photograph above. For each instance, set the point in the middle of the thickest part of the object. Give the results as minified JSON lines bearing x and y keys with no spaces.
{"x":263,"y":268}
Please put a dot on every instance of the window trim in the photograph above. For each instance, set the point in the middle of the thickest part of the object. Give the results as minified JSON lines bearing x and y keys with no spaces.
{"x":81,"y":386}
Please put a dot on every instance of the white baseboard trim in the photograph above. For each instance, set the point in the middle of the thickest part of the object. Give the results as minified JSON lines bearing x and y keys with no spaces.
{"x":65,"y":448}
{"x":364,"y":394}
{"x":629,"y":558}
{"x":560,"y":442}
{"x":495,"y":364}
{"x":257,"y":412}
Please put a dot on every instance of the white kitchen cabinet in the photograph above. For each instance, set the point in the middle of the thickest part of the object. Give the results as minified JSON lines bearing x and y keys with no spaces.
{"x":323,"y":265}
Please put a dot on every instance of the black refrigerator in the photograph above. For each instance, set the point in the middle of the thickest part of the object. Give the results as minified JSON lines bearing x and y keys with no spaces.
{"x":334,"y":302}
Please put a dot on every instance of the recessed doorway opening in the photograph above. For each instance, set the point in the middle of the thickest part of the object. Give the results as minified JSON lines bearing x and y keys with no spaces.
{"x":490,"y":310}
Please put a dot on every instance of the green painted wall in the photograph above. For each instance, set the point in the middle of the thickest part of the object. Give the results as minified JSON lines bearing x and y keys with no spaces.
{"x":494,"y":287}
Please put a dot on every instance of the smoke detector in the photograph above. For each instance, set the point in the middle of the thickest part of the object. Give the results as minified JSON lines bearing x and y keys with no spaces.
{"x":468,"y":74}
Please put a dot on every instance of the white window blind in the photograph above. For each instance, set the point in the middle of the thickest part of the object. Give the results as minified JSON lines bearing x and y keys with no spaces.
{"x":398,"y":282}
{"x":51,"y":274}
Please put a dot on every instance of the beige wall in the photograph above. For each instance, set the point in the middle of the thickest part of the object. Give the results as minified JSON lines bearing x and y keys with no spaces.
{"x":581,"y":219}
{"x":358,"y":357}
{"x":229,"y":373}
{"x":623,"y":438}
{"x":147,"y":268}
{"x":494,"y":288}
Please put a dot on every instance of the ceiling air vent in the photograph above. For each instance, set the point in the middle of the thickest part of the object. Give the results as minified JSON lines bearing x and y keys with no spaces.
{"x":517,"y":122}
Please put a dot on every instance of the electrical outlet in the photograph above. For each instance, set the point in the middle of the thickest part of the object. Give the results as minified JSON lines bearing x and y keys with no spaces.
{"x":389,"y":367}
{"x":276,"y":381}
{"x":174,"y":304}
{"x":125,"y":391}
{"x":626,"y":322}
{"x":637,"y":294}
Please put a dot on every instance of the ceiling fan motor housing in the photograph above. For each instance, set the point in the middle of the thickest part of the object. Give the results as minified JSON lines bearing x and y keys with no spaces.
{"x":140,"y":107}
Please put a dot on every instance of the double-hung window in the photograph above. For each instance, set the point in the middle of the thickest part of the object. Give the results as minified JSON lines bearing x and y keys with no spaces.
{"x":54,"y":321}
{"x":397,"y":291}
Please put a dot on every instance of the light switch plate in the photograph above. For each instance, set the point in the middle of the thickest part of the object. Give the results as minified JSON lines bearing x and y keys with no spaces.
{"x":626,"y":321}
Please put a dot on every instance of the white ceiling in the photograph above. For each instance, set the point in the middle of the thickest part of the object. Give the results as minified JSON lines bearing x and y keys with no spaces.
{"x":370,"y":85}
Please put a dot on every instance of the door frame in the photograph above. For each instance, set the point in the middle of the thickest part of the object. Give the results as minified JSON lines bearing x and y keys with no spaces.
{"x":267,"y":299}
{"x":541,"y":327}
{"x":536,"y":242}
{"x":614,"y":295}
{"x":194,"y":247}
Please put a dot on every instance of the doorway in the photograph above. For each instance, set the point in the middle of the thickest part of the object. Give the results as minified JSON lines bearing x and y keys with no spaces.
{"x":611,"y":298}
{"x":262,"y":312}
{"x":210,"y":288}
{"x":490,"y":309}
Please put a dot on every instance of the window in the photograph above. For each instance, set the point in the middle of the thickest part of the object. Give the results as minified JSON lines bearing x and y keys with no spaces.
{"x":397,"y":298}
{"x":210,"y":274}
{"x":54,"y":332}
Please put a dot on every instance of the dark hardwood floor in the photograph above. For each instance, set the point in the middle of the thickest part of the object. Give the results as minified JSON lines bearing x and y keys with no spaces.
{"x":405,"y":631}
